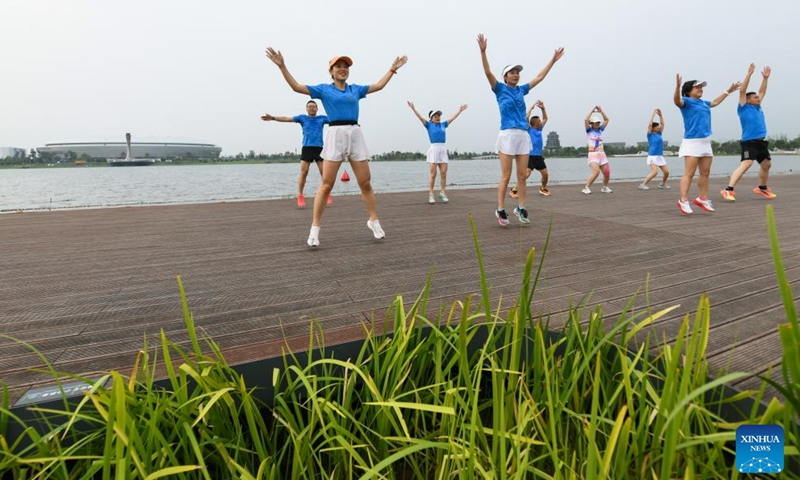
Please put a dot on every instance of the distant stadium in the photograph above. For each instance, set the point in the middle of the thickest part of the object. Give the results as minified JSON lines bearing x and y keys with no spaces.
{"x":138,"y":149}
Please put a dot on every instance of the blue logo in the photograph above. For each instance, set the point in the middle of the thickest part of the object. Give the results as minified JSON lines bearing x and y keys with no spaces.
{"x":759,"y":448}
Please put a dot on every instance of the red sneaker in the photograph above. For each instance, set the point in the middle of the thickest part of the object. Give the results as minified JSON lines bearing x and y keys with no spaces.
{"x":764,"y":193}
{"x":330,"y":200}
{"x":301,"y":201}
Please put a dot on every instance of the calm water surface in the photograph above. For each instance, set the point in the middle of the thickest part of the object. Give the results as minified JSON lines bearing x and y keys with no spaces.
{"x":41,"y":188}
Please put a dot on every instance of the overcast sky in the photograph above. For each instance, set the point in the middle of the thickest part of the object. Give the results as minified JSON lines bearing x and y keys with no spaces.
{"x":195,"y":70}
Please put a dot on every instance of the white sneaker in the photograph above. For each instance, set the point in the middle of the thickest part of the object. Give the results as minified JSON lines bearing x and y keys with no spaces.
{"x":643,"y":187}
{"x":431,"y":199}
{"x":704,"y":204}
{"x":313,"y":237}
{"x":586,"y":190}
{"x":686,"y":209}
{"x":375,"y":226}
{"x":664,"y":185}
{"x":606,"y":189}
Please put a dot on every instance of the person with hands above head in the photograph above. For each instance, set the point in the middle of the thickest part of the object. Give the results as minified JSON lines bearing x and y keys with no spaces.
{"x":696,"y":144}
{"x":437,"y":153}
{"x":655,"y":151}
{"x":513,"y":142}
{"x":343,"y":138}
{"x":535,"y":158}
{"x":754,"y":137}
{"x":597,"y":159}
{"x":312,"y":125}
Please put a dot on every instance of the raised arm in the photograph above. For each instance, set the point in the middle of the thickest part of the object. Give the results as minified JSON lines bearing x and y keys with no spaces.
{"x":734,"y":86}
{"x":485,"y":60}
{"x":764,"y":79}
{"x":586,"y":123}
{"x":650,"y":123}
{"x":605,"y":117}
{"x":267,"y":117}
{"x":745,"y":84}
{"x":660,"y":119}
{"x":277,"y":59}
{"x":538,"y":78}
{"x":398,"y":62}
{"x":540,"y":104}
{"x":456,"y":114}
{"x":530,"y":110}
{"x":414,"y":109}
{"x":677,"y":98}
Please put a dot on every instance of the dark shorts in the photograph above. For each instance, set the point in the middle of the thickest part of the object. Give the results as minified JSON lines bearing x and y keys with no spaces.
{"x":536,"y":162}
{"x":311,"y":154}
{"x":757,"y":150}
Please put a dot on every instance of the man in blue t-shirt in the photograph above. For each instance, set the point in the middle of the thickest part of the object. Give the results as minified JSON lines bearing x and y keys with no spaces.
{"x":535,"y":158}
{"x":312,"y":143}
{"x":754,"y":137}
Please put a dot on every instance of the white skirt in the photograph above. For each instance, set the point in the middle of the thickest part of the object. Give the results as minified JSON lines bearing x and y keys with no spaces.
{"x":514,"y":142}
{"x":657,"y":160}
{"x":696,"y":147}
{"x":345,"y":142}
{"x":437,"y":153}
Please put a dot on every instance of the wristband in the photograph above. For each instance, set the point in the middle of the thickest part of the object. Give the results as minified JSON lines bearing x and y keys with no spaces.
{"x":393,"y":70}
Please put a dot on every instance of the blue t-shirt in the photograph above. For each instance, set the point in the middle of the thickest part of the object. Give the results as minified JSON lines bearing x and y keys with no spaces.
{"x":696,"y":118}
{"x":595,"y":138}
{"x":656,"y":143}
{"x":754,"y":127}
{"x":436,"y":131}
{"x":536,"y":140}
{"x":512,"y":105}
{"x":312,"y":129}
{"x":339,"y":105}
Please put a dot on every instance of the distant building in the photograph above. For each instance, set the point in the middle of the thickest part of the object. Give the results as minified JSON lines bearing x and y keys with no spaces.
{"x":619,"y":145}
{"x":6,"y":152}
{"x":553,"y":143}
{"x":645,"y":145}
{"x":138,"y":149}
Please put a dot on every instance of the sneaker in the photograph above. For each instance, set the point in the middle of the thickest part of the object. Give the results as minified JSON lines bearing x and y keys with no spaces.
{"x":704,"y":204}
{"x":375,"y":226}
{"x":330,"y":200}
{"x":606,"y":189}
{"x":301,"y":201}
{"x":586,"y":190}
{"x":664,"y":186}
{"x":313,"y":237}
{"x":764,"y":193}
{"x":686,"y":209}
{"x":514,"y":193}
{"x":431,"y":199}
{"x":522,"y":215}
{"x":544,"y":191}
{"x":443,"y":197}
{"x":728,"y":195}
{"x":501,"y":217}
{"x":643,"y":187}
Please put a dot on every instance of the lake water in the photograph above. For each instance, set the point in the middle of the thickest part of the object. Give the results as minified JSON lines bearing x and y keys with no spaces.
{"x":57,"y":188}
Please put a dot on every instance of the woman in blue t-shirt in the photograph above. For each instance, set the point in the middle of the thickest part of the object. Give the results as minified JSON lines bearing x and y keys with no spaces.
{"x":437,"y":153}
{"x":513,"y":142}
{"x":655,"y":151}
{"x":696,"y":144}
{"x":343,"y":138}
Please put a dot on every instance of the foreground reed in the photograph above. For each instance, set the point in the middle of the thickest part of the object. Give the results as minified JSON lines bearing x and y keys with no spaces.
{"x":474,"y":392}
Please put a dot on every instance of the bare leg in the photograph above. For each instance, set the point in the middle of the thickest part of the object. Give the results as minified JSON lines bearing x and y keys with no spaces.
{"x":505,"y":176}
{"x":606,"y":169}
{"x":741,"y":170}
{"x":690,"y":166}
{"x":301,"y":182}
{"x":432,"y":177}
{"x":329,"y":171}
{"x":652,"y":175}
{"x":763,"y":173}
{"x":704,"y":167}
{"x":595,"y":172}
{"x":362,"y":173}
{"x":665,"y":170}
{"x":442,"y":177}
{"x":522,"y":184}
{"x":545,"y":178}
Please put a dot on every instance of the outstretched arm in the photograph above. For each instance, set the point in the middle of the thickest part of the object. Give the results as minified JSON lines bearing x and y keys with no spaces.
{"x":540,"y":104}
{"x":413,"y":109}
{"x":398,"y":62}
{"x":277,"y":59}
{"x":734,"y":86}
{"x":745,"y":83}
{"x":485,"y":60}
{"x":538,"y":78}
{"x":677,"y":97}
{"x":456,"y":114}
{"x":267,"y":117}
{"x":764,"y":79}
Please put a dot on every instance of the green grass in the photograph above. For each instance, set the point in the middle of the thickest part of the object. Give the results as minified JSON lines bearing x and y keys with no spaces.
{"x":470,"y":392}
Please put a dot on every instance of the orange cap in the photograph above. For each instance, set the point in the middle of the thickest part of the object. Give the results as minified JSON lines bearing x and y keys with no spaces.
{"x":348,"y":61}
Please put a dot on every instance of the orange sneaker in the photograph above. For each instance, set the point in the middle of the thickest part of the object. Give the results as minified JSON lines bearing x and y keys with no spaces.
{"x":728,"y":195}
{"x":301,"y":201}
{"x":764,"y":193}
{"x":544,"y":191}
{"x":330,"y":200}
{"x":514,"y":193}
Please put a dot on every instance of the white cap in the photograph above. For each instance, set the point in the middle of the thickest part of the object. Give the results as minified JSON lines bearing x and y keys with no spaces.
{"x":508,"y":68}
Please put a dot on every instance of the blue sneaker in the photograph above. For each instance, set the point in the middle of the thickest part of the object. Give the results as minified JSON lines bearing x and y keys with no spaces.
{"x":522,"y":215}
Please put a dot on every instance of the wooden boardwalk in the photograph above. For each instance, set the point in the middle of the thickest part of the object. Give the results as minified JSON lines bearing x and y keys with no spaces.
{"x":85,"y":286}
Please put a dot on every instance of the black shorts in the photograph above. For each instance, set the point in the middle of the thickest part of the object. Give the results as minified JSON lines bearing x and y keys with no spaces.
{"x":311,"y":154}
{"x":757,"y":150}
{"x":536,"y":162}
